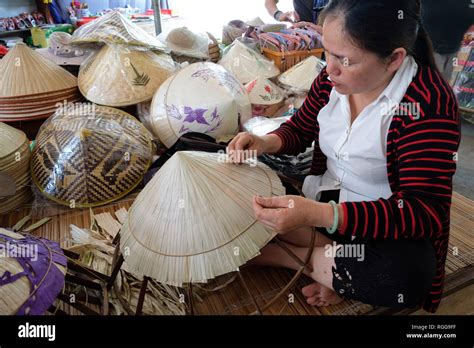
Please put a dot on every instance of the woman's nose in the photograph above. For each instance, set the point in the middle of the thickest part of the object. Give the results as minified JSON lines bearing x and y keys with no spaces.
{"x":332,"y":66}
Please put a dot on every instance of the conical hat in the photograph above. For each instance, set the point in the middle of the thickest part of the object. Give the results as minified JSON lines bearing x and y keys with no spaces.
{"x":90,"y":155}
{"x":114,"y":28}
{"x":194,"y":220}
{"x":33,"y":271}
{"x":262,"y":91}
{"x":301,"y":76}
{"x":25,"y":72}
{"x":183,"y":41}
{"x":247,"y":64}
{"x":204,"y":98}
{"x":116,"y":76}
{"x":14,"y":167}
{"x":11,"y":139}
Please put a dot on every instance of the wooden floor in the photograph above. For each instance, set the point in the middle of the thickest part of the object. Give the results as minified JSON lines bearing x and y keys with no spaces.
{"x":263,"y":283}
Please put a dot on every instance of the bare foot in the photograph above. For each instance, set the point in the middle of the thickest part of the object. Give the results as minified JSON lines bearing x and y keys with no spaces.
{"x":320,"y":296}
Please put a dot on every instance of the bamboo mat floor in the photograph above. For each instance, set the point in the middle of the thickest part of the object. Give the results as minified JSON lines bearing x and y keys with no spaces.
{"x":263,"y":282}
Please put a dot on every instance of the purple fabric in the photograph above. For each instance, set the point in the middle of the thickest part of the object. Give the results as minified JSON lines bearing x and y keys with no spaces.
{"x":35,"y":268}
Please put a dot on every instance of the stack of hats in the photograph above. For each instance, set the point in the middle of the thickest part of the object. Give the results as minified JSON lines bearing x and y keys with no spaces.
{"x":90,"y":155}
{"x":31,"y":86}
{"x":14,"y":168}
{"x":203,"y":98}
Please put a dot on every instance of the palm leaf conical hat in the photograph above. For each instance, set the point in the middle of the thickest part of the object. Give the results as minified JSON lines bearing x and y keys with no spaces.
{"x":204,"y":98}
{"x":116,"y":76}
{"x":194,"y":220}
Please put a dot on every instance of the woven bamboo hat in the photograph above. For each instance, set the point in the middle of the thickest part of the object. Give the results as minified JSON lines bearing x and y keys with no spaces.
{"x":33,"y":271}
{"x":90,"y":156}
{"x":30,"y":85}
{"x":14,"y":168}
{"x":204,"y":98}
{"x":116,"y":76}
{"x":247,"y":64}
{"x":194,"y":220}
{"x":115,"y":29}
{"x":265,"y":96}
{"x":301,"y":76}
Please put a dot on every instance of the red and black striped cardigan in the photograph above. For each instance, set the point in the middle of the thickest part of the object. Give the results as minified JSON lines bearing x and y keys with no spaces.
{"x":421,"y":161}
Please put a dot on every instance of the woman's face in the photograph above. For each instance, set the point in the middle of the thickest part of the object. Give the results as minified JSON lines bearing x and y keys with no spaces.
{"x":351,"y":69}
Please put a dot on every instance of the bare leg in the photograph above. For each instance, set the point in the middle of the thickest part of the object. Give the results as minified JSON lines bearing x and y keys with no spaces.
{"x":319,"y":293}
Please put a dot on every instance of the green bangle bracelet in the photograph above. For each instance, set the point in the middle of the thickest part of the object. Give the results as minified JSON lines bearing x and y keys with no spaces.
{"x":336,"y":218}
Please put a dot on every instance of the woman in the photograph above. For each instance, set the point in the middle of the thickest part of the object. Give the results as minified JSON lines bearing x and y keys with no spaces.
{"x":386,"y":131}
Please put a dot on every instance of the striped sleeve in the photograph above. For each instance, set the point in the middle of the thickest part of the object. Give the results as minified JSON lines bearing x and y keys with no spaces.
{"x":426,"y":154}
{"x":302,"y":128}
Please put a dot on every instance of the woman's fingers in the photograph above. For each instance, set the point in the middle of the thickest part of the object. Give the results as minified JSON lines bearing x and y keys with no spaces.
{"x":273,"y":202}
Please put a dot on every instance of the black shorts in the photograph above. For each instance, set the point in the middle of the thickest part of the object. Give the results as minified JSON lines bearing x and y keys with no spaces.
{"x":389,"y":273}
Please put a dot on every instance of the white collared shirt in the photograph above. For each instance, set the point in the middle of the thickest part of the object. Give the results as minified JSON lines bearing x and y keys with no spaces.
{"x":356,"y":154}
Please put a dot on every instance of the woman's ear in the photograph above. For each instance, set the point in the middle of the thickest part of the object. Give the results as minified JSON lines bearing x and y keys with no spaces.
{"x":396,"y":59}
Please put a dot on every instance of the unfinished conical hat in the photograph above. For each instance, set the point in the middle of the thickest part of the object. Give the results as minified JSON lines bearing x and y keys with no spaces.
{"x":183,"y":41}
{"x":25,"y":72}
{"x":32,"y":273}
{"x":113,"y":29}
{"x":90,"y":155}
{"x":117,"y":76}
{"x":301,"y":76}
{"x":247,"y":64}
{"x":204,"y":98}
{"x":194,"y":220}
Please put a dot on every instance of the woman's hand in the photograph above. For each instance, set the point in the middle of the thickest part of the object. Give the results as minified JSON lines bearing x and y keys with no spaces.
{"x":247,"y":145}
{"x":287,"y":213}
{"x":290,"y":16}
{"x":315,"y":27}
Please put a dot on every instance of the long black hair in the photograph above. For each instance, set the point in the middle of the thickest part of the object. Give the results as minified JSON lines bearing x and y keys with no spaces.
{"x":380,"y":26}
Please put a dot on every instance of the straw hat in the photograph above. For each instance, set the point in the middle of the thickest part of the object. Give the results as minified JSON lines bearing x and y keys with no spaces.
{"x":204,"y":98}
{"x":265,"y":96}
{"x":25,"y":72}
{"x":194,"y":220}
{"x":247,"y":64}
{"x":33,"y":272}
{"x":14,"y":168}
{"x":116,"y":76}
{"x":113,"y":28}
{"x":90,"y":155}
{"x":301,"y":76}
{"x":31,"y":85}
{"x":183,"y":41}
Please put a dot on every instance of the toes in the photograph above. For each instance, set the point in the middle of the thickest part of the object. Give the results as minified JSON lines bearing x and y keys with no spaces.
{"x":311,"y":289}
{"x":312,"y":300}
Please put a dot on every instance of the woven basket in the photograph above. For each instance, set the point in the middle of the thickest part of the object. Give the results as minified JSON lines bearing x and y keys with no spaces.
{"x":285,"y":60}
